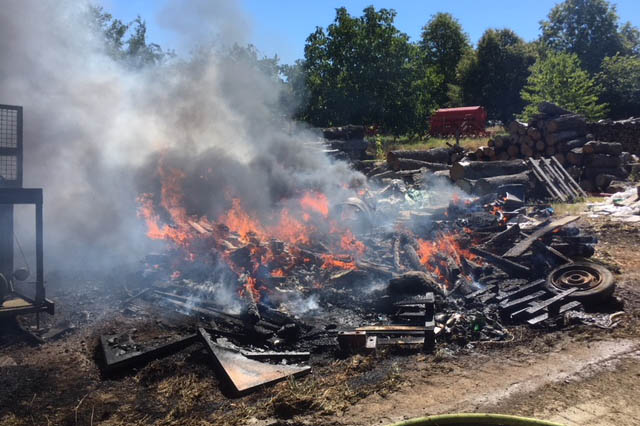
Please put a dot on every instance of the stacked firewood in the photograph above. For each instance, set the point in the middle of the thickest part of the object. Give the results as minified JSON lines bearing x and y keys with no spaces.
{"x":552,"y":132}
{"x":627,"y":132}
{"x":556,"y":132}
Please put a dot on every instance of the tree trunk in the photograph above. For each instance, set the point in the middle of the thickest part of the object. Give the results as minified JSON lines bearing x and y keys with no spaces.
{"x":575,"y":156}
{"x":566,"y":122}
{"x":601,"y":160}
{"x":567,"y":135}
{"x":491,"y":184}
{"x":597,"y":147}
{"x":436,"y":155}
{"x":480,"y":169}
{"x":569,"y":145}
{"x":409,"y":164}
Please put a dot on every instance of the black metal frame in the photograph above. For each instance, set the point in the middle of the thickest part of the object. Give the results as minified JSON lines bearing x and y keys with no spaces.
{"x":11,"y":197}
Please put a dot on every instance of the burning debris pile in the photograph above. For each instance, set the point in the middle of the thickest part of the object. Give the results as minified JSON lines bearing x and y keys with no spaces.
{"x":383,"y":266}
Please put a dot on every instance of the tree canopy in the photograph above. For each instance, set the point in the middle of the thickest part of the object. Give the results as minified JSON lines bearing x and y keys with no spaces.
{"x":559,"y":78}
{"x":496,"y":72}
{"x":590,"y":29}
{"x":620,"y":80}
{"x":364,"y":70}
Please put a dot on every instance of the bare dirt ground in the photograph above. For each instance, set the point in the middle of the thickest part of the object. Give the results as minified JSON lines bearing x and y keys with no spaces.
{"x":576,"y":376}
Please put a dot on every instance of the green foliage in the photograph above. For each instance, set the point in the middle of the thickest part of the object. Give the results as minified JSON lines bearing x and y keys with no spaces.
{"x":590,"y":29}
{"x":363,"y":70}
{"x":620,"y":80}
{"x":495,"y":73}
{"x":443,"y":44}
{"x":134,"y":51}
{"x":558,"y":78}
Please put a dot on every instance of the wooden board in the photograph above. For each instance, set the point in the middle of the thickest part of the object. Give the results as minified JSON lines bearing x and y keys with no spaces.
{"x":524,"y":245}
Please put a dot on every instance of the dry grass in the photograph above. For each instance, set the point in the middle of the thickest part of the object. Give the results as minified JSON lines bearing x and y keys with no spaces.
{"x":580,"y":206}
{"x":385,"y":144}
{"x":323,"y":393}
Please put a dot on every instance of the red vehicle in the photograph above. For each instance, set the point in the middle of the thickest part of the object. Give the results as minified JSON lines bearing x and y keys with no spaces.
{"x":466,"y":121}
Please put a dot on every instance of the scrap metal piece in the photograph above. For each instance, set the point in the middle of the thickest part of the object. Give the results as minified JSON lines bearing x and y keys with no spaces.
{"x":246,"y":374}
{"x":117,"y":359}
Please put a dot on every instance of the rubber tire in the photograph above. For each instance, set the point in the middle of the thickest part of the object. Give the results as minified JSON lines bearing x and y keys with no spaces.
{"x":600,"y":293}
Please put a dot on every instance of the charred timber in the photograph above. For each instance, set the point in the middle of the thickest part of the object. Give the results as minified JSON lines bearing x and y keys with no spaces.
{"x":413,"y":282}
{"x":510,"y":267}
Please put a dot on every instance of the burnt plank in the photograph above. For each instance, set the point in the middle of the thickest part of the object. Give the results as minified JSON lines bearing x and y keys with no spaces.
{"x":522,"y":291}
{"x":524,"y":245}
{"x":508,"y":266}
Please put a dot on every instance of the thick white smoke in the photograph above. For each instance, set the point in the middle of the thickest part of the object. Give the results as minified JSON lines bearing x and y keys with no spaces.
{"x":94,"y":129}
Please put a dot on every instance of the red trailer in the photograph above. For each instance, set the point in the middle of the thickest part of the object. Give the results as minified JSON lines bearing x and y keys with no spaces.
{"x":468,"y":121}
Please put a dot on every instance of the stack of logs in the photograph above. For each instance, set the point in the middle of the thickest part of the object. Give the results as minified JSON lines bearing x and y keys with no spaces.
{"x":346,"y":142}
{"x":556,"y":132}
{"x":627,"y":132}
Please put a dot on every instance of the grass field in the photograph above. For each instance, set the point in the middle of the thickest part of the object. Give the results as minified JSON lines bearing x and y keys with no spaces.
{"x":385,"y":144}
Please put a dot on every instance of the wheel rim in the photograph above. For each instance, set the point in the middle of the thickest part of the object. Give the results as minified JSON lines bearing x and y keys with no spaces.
{"x":583,"y":277}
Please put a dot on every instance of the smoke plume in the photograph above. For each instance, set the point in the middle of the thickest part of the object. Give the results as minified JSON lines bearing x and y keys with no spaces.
{"x":96,"y":131}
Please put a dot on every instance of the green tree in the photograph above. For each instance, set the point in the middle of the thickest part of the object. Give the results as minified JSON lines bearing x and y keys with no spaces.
{"x":620,"y":80}
{"x":558,"y":78}
{"x":363,"y":70}
{"x":496,"y":72}
{"x":135,"y":51}
{"x":588,"y":28}
{"x":443,"y":44}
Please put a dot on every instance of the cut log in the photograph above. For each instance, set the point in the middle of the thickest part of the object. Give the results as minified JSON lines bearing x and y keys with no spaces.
{"x":560,"y":157}
{"x":567,"y":122}
{"x":466,"y":185}
{"x":564,"y":136}
{"x":513,"y":151}
{"x":602,"y":181}
{"x":618,"y":172}
{"x":517,"y":128}
{"x":552,"y":109}
{"x":534,"y":133}
{"x":597,"y":147}
{"x":436,"y":155}
{"x":410,"y":164}
{"x":575,"y":156}
{"x":480,"y":169}
{"x":540,"y":146}
{"x":601,"y":160}
{"x":549,"y":151}
{"x":526,"y":151}
{"x":491,"y":184}
{"x":569,"y":145}
{"x":503,"y":156}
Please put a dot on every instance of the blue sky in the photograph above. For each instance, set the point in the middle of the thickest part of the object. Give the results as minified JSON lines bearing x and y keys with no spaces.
{"x":281,"y":26}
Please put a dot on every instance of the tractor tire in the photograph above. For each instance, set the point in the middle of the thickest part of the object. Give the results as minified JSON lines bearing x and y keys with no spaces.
{"x":595,"y":282}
